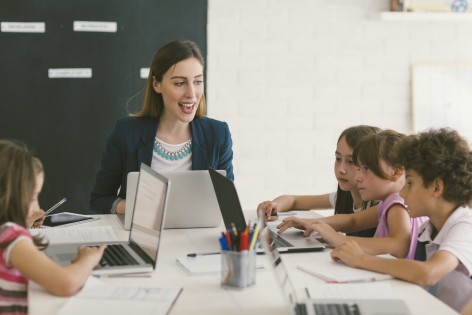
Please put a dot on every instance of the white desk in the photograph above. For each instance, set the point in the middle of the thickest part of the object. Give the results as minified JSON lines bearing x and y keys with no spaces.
{"x":203,"y":294}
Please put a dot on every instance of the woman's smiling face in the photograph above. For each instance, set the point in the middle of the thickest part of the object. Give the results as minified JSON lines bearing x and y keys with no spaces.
{"x":181,"y":88}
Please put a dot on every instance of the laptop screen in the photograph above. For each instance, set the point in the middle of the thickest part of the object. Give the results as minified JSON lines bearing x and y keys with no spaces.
{"x":228,"y":200}
{"x":279,"y":269}
{"x":149,"y":209}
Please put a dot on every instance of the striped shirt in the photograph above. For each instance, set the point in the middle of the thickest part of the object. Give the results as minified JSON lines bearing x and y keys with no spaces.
{"x":13,"y":285}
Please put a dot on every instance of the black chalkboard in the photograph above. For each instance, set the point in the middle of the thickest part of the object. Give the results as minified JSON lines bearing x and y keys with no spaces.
{"x":65,"y":121}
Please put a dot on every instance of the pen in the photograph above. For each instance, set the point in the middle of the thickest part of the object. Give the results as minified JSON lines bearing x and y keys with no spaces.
{"x":52,"y":209}
{"x":202,"y":254}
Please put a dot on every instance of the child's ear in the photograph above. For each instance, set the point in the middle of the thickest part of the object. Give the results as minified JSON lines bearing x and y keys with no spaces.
{"x":438,"y":187}
{"x":397,"y":173}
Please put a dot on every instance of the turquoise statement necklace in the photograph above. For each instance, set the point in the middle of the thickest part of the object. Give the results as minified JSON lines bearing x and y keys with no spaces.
{"x":185,"y":150}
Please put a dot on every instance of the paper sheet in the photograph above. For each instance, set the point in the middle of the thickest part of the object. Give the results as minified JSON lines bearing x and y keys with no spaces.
{"x":105,"y":299}
{"x":76,"y":235}
{"x":205,"y":264}
{"x":338,"y":272}
{"x":352,"y":291}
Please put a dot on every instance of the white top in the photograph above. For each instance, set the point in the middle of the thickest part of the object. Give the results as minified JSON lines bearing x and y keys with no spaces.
{"x":332,"y":201}
{"x":160,"y":163}
{"x":455,"y":237}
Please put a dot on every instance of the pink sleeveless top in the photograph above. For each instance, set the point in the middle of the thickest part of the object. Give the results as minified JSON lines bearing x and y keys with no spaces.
{"x":382,"y":227}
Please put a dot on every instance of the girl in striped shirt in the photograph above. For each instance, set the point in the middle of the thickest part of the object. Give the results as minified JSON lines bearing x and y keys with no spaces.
{"x":21,"y":258}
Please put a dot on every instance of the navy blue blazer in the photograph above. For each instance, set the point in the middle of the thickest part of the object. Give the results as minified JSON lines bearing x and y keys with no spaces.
{"x":131,"y":143}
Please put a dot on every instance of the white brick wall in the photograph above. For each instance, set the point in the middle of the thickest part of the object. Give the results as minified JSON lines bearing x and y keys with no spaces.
{"x":289,"y":75}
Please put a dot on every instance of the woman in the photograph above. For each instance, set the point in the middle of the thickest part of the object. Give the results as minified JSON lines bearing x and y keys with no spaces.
{"x":171,"y":132}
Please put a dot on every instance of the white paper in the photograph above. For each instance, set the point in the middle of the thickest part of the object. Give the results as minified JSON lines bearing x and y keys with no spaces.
{"x":352,"y":291}
{"x":115,"y":299}
{"x":68,"y":235}
{"x":54,"y":73}
{"x":204,"y":264}
{"x":95,"y":26}
{"x":23,"y":27}
{"x":338,"y":272}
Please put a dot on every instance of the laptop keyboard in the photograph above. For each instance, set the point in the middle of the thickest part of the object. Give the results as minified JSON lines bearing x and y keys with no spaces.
{"x":279,"y":241}
{"x":117,"y":255}
{"x":336,"y":309}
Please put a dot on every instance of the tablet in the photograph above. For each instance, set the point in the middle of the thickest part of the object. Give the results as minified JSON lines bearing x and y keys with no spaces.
{"x":66,"y":219}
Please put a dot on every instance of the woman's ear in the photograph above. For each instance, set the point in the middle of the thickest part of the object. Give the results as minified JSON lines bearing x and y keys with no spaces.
{"x":156,"y":85}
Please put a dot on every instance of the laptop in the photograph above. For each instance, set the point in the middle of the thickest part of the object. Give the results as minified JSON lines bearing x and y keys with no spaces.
{"x":131,"y":186}
{"x":291,"y":240}
{"x":192,"y":201}
{"x":314,"y":306}
{"x":139,"y":254}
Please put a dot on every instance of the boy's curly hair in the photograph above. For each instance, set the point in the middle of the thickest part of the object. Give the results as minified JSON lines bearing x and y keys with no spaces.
{"x":440,"y":153}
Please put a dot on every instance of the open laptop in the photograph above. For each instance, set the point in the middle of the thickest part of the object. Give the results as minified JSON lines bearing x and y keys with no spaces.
{"x":131,"y":186}
{"x":191,"y":204}
{"x":192,"y":201}
{"x":140,"y":253}
{"x":314,"y":306}
{"x":291,"y":240}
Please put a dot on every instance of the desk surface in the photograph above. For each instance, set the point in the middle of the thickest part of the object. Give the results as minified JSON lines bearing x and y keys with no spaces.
{"x":203,"y":294}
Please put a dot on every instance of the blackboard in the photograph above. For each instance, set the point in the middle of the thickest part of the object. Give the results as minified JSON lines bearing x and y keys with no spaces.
{"x":442,"y":97}
{"x":65,"y":120}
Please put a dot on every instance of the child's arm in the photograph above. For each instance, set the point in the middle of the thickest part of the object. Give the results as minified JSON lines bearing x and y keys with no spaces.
{"x":358,"y":221}
{"x":292,"y":202}
{"x":423,"y":273}
{"x":396,"y":244}
{"x":57,"y":279}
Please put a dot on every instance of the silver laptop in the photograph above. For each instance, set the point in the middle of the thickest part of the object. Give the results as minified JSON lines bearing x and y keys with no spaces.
{"x":290,"y":241}
{"x":140,"y":253}
{"x":314,"y":306}
{"x":192,"y":201}
{"x":131,"y":186}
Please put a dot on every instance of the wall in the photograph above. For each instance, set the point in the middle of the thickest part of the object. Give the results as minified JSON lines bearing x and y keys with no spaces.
{"x":288,"y":76}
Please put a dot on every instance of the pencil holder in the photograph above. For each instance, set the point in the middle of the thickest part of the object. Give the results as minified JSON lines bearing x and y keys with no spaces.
{"x":238,"y":269}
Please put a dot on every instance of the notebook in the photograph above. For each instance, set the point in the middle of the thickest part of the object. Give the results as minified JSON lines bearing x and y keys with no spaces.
{"x":290,"y":241}
{"x":324,"y":306}
{"x":131,"y":186}
{"x":192,"y":201}
{"x":140,"y":253}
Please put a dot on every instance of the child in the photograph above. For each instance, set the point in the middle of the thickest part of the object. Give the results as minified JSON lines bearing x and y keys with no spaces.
{"x":378,"y":179}
{"x":21,"y":180}
{"x":346,"y":199}
{"x":438,"y":166}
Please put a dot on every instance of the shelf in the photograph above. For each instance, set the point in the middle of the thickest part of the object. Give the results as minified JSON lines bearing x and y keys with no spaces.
{"x":421,"y":16}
